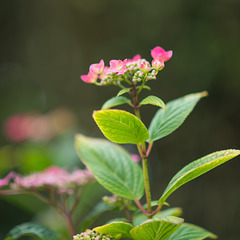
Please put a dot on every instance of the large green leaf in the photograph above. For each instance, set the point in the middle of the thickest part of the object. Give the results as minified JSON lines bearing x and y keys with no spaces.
{"x":115,"y":229}
{"x":197,"y":168}
{"x":165,"y":122}
{"x":112,"y":166}
{"x":156,"y":229}
{"x":120,"y":126}
{"x":191,"y":232}
{"x":115,"y":101}
{"x":153,"y":100}
{"x":32,"y":229}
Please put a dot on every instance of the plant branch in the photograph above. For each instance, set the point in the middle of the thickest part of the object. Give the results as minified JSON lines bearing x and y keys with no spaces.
{"x":141,"y":207}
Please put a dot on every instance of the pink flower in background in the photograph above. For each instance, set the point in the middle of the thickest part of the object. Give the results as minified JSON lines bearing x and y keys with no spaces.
{"x":91,"y":77}
{"x":136,"y":158}
{"x":54,"y":177}
{"x":97,"y":68}
{"x":38,"y":127}
{"x":160,"y":54}
{"x":5,"y":181}
{"x":17,"y":127}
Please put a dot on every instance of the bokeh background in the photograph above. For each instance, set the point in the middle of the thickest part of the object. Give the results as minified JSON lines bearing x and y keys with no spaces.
{"x":46,"y":45}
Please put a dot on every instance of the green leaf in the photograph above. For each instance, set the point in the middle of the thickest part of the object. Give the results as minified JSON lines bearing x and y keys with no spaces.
{"x":197,"y":168}
{"x":112,"y":166}
{"x":115,"y":229}
{"x":115,"y":101}
{"x":139,"y":218}
{"x":165,"y":122}
{"x":124,"y":90}
{"x":153,"y":100}
{"x":144,"y":87}
{"x":191,"y":232}
{"x":156,"y":229}
{"x":32,"y":229}
{"x":121,"y":126}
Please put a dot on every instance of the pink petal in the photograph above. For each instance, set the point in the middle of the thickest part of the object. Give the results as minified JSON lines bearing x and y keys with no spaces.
{"x":136,"y":57}
{"x":90,"y":78}
{"x":116,"y":64}
{"x":160,"y":54}
{"x":97,"y":68}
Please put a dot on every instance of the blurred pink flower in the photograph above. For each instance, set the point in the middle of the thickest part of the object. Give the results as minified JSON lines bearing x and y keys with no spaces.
{"x":38,"y":127}
{"x":54,"y":177}
{"x":16,"y":127}
{"x":5,"y":181}
{"x":136,"y":158}
{"x":160,"y":54}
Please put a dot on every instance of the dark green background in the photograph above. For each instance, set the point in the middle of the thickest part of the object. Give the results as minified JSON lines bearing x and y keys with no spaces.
{"x":46,"y":45}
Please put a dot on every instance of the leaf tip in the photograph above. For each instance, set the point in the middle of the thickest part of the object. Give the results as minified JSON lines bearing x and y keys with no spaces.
{"x":204,"y":94}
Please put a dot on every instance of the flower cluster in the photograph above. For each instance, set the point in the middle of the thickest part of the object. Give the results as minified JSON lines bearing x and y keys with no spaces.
{"x":89,"y":234}
{"x":128,"y":70}
{"x":54,"y":177}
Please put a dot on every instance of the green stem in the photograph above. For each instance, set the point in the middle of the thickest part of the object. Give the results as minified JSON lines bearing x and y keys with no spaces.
{"x":142,"y":152}
{"x":147,"y":185}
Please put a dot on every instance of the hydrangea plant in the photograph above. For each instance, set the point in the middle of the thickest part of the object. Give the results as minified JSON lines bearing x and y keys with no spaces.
{"x":112,"y":165}
{"x":115,"y":168}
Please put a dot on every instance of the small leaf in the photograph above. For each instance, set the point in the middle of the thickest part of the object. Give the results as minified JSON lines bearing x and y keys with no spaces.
{"x":32,"y":229}
{"x":191,"y":232}
{"x":153,"y":100}
{"x":115,"y":101}
{"x":164,"y":123}
{"x":112,"y":166}
{"x":197,"y":168}
{"x":156,"y":229}
{"x":144,"y":87}
{"x":121,"y":126}
{"x":115,"y":229}
{"x":124,"y":90}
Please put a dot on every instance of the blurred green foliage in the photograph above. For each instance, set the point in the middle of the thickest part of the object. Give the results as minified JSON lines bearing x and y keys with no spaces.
{"x":46,"y":45}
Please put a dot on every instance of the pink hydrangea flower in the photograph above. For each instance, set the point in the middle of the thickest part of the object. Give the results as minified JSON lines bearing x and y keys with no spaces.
{"x":160,"y":54}
{"x":91,"y":77}
{"x":5,"y":181}
{"x":54,"y":177}
{"x":117,"y":66}
{"x":136,"y":157}
{"x":97,"y":68}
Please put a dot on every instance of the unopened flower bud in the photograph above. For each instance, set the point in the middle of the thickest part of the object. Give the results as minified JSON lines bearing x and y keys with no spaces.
{"x":157,"y":64}
{"x":145,"y":67}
